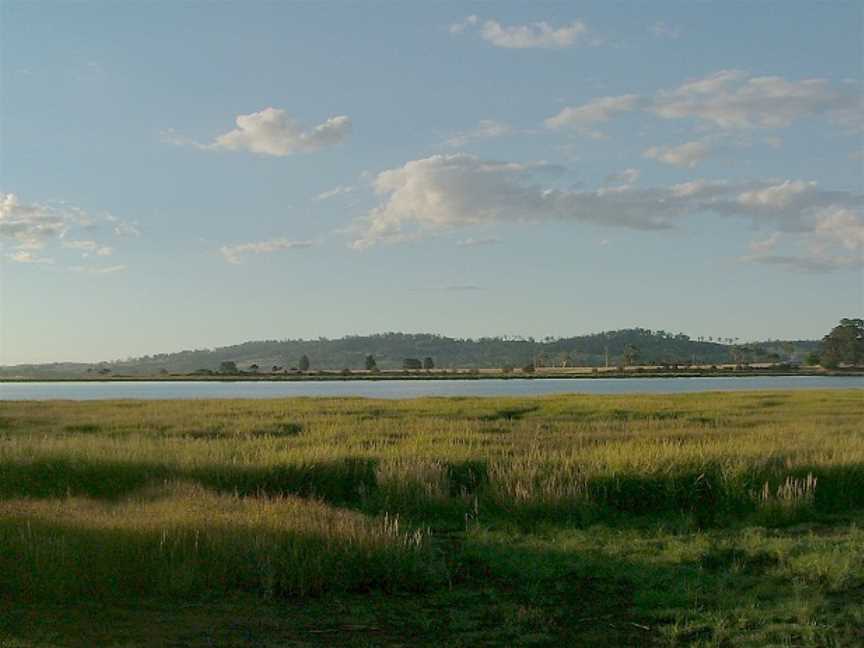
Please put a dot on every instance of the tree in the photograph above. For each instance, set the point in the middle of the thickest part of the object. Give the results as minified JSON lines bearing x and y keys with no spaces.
{"x":253,"y":368}
{"x":275,"y":369}
{"x":412,"y":363}
{"x":428,"y":363}
{"x":304,"y":363}
{"x":228,"y":367}
{"x":812,"y":359}
{"x":631,"y":354}
{"x":371,"y":365}
{"x":844,"y":344}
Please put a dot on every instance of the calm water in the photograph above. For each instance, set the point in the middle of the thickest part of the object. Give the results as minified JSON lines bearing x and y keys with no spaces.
{"x":412,"y":388}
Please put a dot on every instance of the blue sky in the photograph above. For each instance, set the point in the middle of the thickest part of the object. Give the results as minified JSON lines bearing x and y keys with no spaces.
{"x":180,"y":175}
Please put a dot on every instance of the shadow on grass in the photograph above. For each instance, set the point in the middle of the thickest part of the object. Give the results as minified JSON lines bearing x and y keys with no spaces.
{"x":708,"y":497}
{"x":503,"y":591}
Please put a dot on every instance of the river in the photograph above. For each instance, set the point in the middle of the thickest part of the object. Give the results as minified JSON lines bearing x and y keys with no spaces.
{"x":150,"y":390}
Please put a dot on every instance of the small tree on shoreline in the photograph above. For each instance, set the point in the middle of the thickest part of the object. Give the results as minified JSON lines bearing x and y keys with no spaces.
{"x":228,"y":367}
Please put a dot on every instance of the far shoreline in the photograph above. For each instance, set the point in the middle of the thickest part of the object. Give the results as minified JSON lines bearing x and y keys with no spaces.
{"x":337,"y":376}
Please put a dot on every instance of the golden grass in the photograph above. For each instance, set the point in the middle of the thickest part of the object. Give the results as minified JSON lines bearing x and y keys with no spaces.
{"x":180,"y":539}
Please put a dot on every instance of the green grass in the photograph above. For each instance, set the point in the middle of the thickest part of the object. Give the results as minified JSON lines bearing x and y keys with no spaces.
{"x":726,"y":519}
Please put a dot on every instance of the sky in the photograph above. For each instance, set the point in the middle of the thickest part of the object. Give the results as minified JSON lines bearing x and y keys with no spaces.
{"x":198,"y":174}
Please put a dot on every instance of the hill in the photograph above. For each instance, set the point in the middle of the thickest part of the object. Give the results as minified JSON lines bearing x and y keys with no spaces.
{"x":390,"y":349}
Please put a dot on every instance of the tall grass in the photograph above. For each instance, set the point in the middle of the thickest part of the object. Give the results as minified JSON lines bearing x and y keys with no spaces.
{"x":290,"y":497}
{"x":626,"y":454}
{"x":182,"y":540}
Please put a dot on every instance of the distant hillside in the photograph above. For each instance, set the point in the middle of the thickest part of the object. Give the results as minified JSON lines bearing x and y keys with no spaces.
{"x":390,"y":349}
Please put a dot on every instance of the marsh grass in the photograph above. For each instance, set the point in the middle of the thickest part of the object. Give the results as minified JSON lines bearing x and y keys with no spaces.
{"x":678,"y":512}
{"x":180,"y":540}
{"x":697,"y":455}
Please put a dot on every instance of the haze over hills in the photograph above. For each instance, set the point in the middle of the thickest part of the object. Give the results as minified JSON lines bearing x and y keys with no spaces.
{"x":390,"y":349}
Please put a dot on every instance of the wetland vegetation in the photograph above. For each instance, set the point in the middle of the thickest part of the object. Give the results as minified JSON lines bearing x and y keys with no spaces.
{"x":713,"y":519}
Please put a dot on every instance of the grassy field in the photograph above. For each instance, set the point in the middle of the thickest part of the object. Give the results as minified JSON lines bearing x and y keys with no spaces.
{"x":725,"y":519}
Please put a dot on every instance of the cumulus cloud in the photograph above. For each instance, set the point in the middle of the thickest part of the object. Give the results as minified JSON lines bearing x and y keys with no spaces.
{"x":531,"y":35}
{"x":835,"y":242}
{"x":584,"y":117}
{"x":687,"y":155}
{"x":235,"y":253}
{"x":273,"y":131}
{"x":485,"y":129}
{"x":447,"y":192}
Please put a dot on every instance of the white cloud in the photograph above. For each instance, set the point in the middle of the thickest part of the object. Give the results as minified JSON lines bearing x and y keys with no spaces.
{"x":273,"y":132}
{"x":775,"y":196}
{"x":661,"y":29}
{"x":625,"y":177}
{"x":531,"y":35}
{"x":478,"y":242}
{"x":448,"y":192}
{"x":31,"y":227}
{"x":842,"y":226}
{"x":89,"y":247}
{"x":124,"y":229}
{"x":582,"y":118}
{"x":486,"y":128}
{"x":235,"y":253}
{"x":732,"y":99}
{"x":332,"y":193}
{"x":687,"y":155}
{"x":23,"y":256}
{"x":99,"y":269}
{"x":458,"y":28}
{"x":765,"y":245}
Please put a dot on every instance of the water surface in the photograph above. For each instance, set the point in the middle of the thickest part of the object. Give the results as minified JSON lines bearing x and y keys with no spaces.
{"x":150,"y":390}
